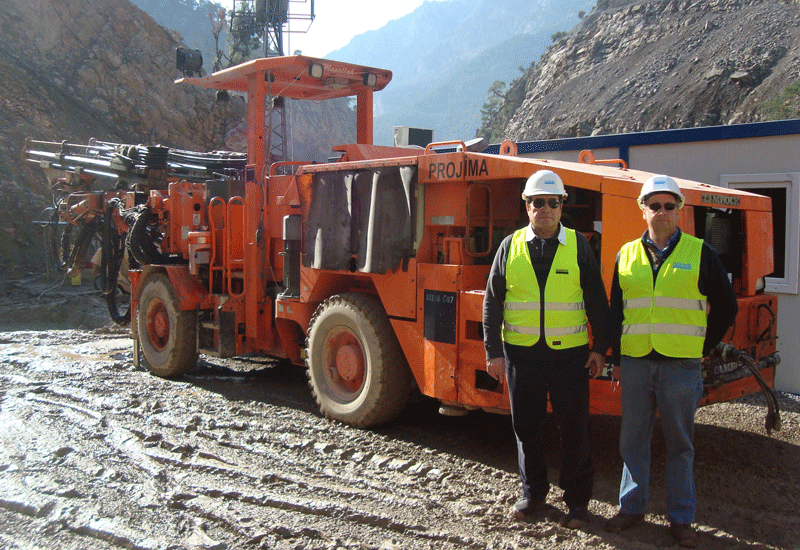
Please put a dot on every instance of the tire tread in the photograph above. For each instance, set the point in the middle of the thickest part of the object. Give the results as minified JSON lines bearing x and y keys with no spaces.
{"x":393,"y":384}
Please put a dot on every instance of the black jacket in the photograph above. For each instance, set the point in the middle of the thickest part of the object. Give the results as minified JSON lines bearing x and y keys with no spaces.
{"x":542,"y":252}
{"x":713,"y":283}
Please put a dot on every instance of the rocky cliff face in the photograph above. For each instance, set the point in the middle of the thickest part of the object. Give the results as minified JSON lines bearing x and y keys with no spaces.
{"x":659,"y":64}
{"x":75,"y":69}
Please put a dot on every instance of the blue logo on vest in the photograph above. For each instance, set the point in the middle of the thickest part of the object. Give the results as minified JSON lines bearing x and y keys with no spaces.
{"x":679,"y":265}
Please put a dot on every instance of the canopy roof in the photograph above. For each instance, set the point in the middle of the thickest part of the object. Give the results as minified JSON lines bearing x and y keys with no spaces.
{"x":290,"y":77}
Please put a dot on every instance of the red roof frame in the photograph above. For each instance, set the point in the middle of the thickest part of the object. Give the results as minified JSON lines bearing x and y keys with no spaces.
{"x":290,"y":76}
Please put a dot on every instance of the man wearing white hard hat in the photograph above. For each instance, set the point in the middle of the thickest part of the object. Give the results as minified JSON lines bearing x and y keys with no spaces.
{"x":543,"y":292}
{"x":662,"y":285}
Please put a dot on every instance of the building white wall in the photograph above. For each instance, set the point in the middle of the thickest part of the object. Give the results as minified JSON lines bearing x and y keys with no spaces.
{"x":706,"y":161}
{"x":788,"y":372}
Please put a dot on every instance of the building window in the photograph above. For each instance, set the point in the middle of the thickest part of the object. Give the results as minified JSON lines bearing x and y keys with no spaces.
{"x":784,"y":190}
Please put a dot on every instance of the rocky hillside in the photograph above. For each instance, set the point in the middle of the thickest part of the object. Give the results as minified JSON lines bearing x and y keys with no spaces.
{"x":658,"y":64}
{"x":444,"y":56}
{"x":75,"y":69}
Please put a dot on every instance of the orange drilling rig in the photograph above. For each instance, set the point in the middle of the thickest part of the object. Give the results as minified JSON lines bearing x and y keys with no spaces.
{"x":369,"y":269}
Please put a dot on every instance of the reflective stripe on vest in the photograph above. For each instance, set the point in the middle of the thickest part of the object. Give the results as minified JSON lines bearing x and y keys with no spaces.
{"x":670,"y":315}
{"x":564,"y":315}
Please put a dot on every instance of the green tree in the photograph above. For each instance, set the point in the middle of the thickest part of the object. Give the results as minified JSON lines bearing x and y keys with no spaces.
{"x":246,"y":34}
{"x":786,"y":105}
{"x":501,"y":105}
{"x":491,"y":110}
{"x":218,"y":17}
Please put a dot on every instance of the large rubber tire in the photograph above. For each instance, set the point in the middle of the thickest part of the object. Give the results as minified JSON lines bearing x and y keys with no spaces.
{"x":167,"y":335}
{"x":356,"y":368}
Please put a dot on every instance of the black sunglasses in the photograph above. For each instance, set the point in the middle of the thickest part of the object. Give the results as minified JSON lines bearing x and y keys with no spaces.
{"x":540,"y":202}
{"x":668,"y":206}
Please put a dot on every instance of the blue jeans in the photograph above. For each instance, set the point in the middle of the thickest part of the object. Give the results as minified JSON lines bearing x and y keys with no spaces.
{"x":674,"y":387}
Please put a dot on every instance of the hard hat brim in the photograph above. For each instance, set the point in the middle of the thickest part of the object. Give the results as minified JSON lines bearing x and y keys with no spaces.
{"x":542,"y":192}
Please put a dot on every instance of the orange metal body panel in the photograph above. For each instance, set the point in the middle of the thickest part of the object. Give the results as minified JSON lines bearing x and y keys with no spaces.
{"x":191,"y":294}
{"x":615,"y":233}
{"x":737,"y":388}
{"x":754,"y":330}
{"x":446,"y":370}
{"x":354,"y":152}
{"x":757,"y":258}
{"x":184,"y":204}
{"x":605,"y":395}
{"x":292,"y":318}
{"x":316,"y":284}
{"x":255,"y":249}
{"x":398,"y":291}
{"x":409,"y":335}
{"x":438,"y":371}
{"x":472,"y":357}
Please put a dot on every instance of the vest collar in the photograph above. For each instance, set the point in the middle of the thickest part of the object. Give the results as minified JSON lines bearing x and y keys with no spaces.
{"x":672,"y":243}
{"x":562,"y":233}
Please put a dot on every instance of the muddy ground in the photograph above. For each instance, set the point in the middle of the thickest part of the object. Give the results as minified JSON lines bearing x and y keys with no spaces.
{"x":96,"y":454}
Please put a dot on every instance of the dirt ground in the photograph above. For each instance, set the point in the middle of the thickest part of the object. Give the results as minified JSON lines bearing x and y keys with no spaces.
{"x":96,"y":454}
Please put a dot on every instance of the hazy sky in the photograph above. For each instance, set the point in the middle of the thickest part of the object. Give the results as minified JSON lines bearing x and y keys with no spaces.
{"x":336,"y":22}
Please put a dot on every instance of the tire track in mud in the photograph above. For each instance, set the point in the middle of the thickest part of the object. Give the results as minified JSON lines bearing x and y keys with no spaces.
{"x":269,"y":475}
{"x":97,"y":454}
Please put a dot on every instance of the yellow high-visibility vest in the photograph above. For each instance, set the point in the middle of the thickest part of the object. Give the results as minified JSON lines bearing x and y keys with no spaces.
{"x":668,"y":316}
{"x":565,"y":324}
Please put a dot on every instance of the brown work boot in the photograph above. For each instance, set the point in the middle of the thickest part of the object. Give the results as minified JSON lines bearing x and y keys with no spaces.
{"x":684,"y":534}
{"x":622,"y":521}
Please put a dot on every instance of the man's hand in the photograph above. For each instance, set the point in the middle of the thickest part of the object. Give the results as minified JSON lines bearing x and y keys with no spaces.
{"x":496,"y":368}
{"x":596,"y":364}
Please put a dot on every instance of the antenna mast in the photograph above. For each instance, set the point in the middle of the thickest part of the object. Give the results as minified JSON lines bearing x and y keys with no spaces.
{"x":270,"y":19}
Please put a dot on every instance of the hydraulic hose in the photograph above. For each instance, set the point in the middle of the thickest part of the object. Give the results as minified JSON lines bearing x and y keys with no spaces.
{"x":110,"y":263}
{"x":142,"y":247}
{"x":727,"y":351}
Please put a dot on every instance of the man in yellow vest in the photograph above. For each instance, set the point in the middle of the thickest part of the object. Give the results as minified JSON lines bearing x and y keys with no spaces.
{"x":543,"y":288}
{"x":662,"y":285}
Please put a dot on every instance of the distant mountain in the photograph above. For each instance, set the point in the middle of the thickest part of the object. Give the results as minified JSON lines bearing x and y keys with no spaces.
{"x":445,"y":55}
{"x":453,"y":106}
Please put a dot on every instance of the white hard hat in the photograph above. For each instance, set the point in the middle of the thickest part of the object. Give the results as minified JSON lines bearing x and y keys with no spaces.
{"x":544,"y":182}
{"x":660,"y":184}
